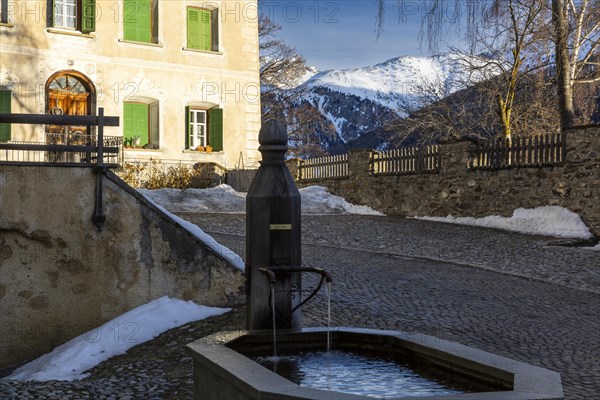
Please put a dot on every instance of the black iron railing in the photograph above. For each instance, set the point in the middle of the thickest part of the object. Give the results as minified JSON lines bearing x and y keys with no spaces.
{"x":64,"y":147}
{"x":94,"y":150}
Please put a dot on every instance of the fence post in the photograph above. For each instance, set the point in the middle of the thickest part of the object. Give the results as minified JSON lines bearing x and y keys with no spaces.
{"x":455,"y":157}
{"x":293,"y":164}
{"x":359,"y":163}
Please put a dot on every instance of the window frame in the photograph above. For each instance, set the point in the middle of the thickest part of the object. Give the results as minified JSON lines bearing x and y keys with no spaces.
{"x":65,"y":17}
{"x":193,"y":123}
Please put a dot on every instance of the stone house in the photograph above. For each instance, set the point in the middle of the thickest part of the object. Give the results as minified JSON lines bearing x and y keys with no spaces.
{"x":183,"y":75}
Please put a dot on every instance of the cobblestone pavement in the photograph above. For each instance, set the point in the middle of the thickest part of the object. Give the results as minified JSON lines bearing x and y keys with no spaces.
{"x":458,"y":283}
{"x":387,"y":275}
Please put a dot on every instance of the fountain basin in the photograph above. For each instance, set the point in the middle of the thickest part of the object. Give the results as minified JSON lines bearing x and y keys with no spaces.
{"x":221,"y":371}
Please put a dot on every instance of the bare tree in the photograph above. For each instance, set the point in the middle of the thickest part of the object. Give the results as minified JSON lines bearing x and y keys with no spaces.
{"x":575,"y":33}
{"x":577,"y":39}
{"x":512,"y":36}
{"x":281,"y":72}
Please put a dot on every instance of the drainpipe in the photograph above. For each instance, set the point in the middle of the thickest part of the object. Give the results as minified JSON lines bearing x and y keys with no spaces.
{"x":98,"y":218}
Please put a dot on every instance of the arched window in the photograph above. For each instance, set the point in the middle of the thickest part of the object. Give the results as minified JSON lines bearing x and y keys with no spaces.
{"x":70,"y":93}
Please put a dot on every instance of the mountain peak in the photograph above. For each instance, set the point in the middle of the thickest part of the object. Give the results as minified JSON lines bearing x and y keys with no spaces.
{"x":360,"y":101}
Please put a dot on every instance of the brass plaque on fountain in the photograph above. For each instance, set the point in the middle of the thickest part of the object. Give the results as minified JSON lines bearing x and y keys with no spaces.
{"x":280,"y":227}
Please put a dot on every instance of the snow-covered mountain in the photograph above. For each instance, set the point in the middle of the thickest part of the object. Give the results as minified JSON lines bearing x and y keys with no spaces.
{"x":361,"y":101}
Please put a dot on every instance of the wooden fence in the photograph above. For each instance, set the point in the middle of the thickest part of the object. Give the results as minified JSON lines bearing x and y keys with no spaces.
{"x":539,"y":151}
{"x":405,"y":161}
{"x":330,"y":167}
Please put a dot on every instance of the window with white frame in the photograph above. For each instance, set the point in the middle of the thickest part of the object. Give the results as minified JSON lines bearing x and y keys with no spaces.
{"x":198,"y":129}
{"x":72,"y":14}
{"x":204,"y":129}
{"x":65,"y":14}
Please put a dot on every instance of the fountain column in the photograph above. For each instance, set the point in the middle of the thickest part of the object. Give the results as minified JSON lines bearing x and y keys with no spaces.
{"x":273,"y":235}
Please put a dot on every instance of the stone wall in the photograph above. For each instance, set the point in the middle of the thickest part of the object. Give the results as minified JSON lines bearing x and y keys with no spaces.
{"x":459,"y":191}
{"x":60,"y":277}
{"x":240,"y":179}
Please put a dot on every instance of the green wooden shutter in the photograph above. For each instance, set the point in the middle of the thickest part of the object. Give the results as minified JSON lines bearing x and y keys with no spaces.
{"x":215,"y":128}
{"x":128,"y":120}
{"x":137,"y":21}
{"x":205,"y":30}
{"x":130,"y":20}
{"x":135,"y":121}
{"x":3,"y":11}
{"x":5,"y":107}
{"x":50,"y":13}
{"x":215,"y":29}
{"x":193,"y":28}
{"x":88,"y":16}
{"x":199,"y":29}
{"x":187,"y":127}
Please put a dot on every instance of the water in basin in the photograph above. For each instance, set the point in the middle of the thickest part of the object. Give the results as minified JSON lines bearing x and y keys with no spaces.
{"x":368,"y":374}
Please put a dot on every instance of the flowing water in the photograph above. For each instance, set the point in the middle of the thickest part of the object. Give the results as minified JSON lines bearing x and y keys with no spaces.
{"x":328,"y":316}
{"x":274,"y":315}
{"x":368,"y":375}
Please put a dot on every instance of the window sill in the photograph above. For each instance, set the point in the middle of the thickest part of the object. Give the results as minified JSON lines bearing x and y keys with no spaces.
{"x":6,"y":25}
{"x":188,"y":151}
{"x":69,"y":32}
{"x":140,"y":148}
{"x":141,"y":43}
{"x":218,"y":53}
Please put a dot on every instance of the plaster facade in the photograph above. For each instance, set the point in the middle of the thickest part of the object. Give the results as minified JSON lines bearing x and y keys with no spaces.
{"x":164,"y":72}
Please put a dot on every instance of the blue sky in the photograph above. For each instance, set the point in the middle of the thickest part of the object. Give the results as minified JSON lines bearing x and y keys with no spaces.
{"x":342,"y":34}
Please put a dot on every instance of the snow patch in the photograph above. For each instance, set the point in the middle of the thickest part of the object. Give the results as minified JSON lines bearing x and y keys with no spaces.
{"x":223,"y":198}
{"x":317,"y":200}
{"x":69,"y":361}
{"x":547,"y":220}
{"x":593,"y":248}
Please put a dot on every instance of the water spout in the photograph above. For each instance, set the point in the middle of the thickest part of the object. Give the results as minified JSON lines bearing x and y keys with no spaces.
{"x":272,"y":272}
